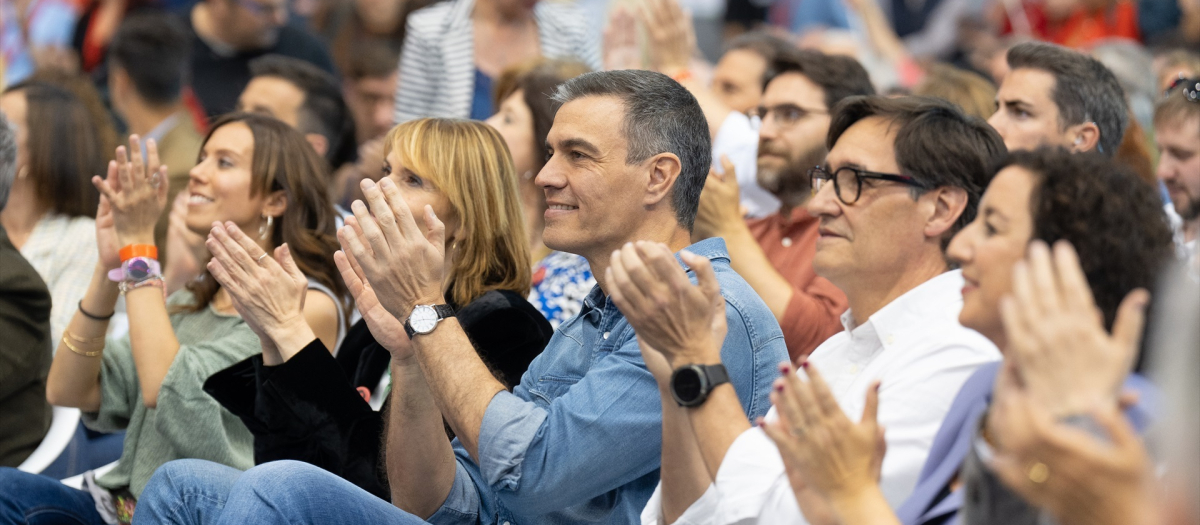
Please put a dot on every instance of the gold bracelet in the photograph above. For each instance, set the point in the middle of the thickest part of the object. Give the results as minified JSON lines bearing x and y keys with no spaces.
{"x":83,"y":340}
{"x":72,"y":348}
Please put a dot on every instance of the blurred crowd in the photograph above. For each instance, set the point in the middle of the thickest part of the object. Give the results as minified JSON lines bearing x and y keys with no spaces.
{"x":600,"y":261}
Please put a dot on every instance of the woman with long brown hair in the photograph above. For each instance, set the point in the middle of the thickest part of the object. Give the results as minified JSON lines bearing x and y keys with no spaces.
{"x":50,"y":215}
{"x":254,"y":174}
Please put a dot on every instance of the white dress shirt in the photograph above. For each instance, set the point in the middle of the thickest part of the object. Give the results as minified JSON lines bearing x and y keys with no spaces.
{"x":920,"y":353}
{"x":738,"y":139}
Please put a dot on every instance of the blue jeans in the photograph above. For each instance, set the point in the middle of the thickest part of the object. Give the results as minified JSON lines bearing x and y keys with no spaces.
{"x":32,"y":499}
{"x":197,"y":492}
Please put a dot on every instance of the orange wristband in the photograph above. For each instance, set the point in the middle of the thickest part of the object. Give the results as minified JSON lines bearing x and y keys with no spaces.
{"x":139,"y":250}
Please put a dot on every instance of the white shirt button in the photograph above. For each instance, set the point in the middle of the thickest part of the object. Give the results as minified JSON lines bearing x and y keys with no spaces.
{"x":606,"y":337}
{"x":853,"y":369}
{"x":891,"y":339}
{"x":787,"y":241}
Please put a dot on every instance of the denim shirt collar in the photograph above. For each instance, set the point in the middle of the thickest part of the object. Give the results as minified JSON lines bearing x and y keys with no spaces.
{"x":712,"y":249}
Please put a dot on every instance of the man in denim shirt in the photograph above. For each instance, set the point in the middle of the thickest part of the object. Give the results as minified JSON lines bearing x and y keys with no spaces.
{"x":579,"y":439}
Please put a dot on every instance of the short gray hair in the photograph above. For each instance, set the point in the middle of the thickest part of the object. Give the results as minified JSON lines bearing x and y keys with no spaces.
{"x":8,"y":158}
{"x":661,"y":116}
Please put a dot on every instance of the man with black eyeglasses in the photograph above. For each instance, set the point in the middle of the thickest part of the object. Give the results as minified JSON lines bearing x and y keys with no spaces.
{"x":774,"y":253}
{"x":901,"y":178}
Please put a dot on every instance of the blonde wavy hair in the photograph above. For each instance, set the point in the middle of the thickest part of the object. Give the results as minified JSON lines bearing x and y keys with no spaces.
{"x":470,"y":164}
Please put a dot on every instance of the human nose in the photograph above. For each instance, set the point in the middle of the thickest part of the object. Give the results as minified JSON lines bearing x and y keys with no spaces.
{"x":550,"y":177}
{"x":383,"y":113}
{"x":824,"y":201}
{"x":961,"y":249}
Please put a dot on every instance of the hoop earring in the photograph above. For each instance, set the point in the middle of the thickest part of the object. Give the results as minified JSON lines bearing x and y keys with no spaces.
{"x":264,"y":230}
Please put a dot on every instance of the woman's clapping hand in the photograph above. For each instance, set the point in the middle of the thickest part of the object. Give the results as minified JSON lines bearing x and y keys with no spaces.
{"x":267,"y":291}
{"x":135,"y":193}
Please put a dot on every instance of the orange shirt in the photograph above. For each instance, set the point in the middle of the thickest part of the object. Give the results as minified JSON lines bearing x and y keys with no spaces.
{"x":1083,"y":27}
{"x":814,"y":313}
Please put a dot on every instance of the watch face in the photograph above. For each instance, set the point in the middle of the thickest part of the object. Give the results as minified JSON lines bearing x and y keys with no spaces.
{"x":687,"y":384}
{"x":423,"y":319}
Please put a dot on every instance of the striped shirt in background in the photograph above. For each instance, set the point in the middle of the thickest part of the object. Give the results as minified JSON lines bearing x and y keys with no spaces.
{"x":437,"y":66}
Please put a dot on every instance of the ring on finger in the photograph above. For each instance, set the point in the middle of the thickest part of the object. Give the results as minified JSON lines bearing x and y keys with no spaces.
{"x":260,"y":258}
{"x":796,"y":431}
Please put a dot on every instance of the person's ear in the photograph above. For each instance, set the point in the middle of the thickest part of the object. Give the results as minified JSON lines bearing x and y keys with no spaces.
{"x":665,"y":169}
{"x":318,"y":143}
{"x":275,"y":204}
{"x":1085,"y":137}
{"x":944,"y":207}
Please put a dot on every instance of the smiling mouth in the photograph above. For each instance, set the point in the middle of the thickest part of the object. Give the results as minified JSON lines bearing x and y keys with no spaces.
{"x":196,"y":198}
{"x":562,"y":207}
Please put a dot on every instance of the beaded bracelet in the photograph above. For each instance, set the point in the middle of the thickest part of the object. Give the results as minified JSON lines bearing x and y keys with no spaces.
{"x":127,"y":286}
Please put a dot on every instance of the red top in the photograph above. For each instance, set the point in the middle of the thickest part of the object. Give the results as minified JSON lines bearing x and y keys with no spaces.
{"x":814,"y":313}
{"x":1083,"y":28}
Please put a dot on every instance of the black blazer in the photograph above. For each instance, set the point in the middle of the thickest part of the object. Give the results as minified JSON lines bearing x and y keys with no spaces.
{"x":307,"y":409}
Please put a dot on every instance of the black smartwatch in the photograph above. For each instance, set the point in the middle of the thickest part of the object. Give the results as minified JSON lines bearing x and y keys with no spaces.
{"x":690,"y":384}
{"x":424,"y":318}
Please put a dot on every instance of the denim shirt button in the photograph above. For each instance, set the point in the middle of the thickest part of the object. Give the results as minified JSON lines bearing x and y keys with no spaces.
{"x":606,"y":337}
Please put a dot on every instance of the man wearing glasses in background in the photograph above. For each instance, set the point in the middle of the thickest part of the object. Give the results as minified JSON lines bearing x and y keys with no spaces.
{"x":901,"y":178}
{"x":228,"y":34}
{"x":775,"y":253}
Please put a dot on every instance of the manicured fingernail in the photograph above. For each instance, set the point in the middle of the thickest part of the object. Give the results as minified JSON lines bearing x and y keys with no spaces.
{"x":779,"y":388}
{"x":877,"y":385}
{"x":785,"y":368}
{"x":804,"y":364}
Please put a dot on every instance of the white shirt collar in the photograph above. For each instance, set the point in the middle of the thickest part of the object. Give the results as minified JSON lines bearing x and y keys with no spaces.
{"x":907,"y":311}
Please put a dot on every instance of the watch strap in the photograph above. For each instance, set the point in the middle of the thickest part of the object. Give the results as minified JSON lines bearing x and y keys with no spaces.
{"x":716,"y":375}
{"x":442,"y":310}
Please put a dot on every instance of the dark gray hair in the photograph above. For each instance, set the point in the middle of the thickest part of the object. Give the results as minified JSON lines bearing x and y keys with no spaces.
{"x":1084,"y":90}
{"x":660,"y":117}
{"x":936,"y":143}
{"x":8,"y":158}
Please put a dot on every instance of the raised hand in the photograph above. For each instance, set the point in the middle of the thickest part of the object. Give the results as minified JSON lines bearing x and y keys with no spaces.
{"x":834,"y":455}
{"x":1064,"y":358}
{"x":672,"y":35}
{"x":387,"y":330}
{"x":685,"y":322}
{"x":185,"y":248}
{"x":106,"y":236}
{"x":621,"y":49}
{"x":720,"y":205}
{"x":268,"y":292}
{"x":1076,"y":476}
{"x":136,"y":193}
{"x":404,"y":265}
